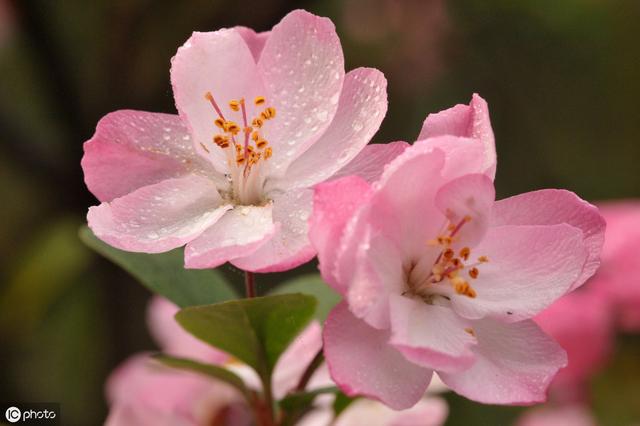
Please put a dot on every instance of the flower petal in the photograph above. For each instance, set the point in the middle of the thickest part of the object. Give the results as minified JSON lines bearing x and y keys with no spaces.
{"x":334,"y":204}
{"x":468,"y":197}
{"x":378,"y":275}
{"x":427,"y":412}
{"x":255,"y":41}
{"x":430,"y":335}
{"x":470,"y":121}
{"x":515,"y":364}
{"x":362,"y":363}
{"x":219,"y":62}
{"x":529,"y":268}
{"x":296,"y":359}
{"x":303,"y":69}
{"x":362,"y":106}
{"x":563,"y":415}
{"x":159,"y":217}
{"x":554,"y":206}
{"x":239,"y":232}
{"x":132,"y":149}
{"x":290,"y":245}
{"x":371,"y":161}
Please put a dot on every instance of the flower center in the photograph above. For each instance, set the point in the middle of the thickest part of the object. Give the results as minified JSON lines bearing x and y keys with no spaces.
{"x":450,"y":272}
{"x":246,"y":152}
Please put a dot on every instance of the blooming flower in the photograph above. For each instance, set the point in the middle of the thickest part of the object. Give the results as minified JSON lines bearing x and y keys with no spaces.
{"x":142,"y":392}
{"x":437,"y":276}
{"x":262,"y":118}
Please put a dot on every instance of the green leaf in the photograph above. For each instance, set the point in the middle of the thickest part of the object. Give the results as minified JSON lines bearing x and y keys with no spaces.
{"x":312,"y":284}
{"x":256,"y":331}
{"x":214,"y":371}
{"x":301,"y":400}
{"x":165,"y":274}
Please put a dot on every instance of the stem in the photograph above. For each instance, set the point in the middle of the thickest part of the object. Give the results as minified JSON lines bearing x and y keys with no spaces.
{"x":249,"y":284}
{"x":311,"y":368}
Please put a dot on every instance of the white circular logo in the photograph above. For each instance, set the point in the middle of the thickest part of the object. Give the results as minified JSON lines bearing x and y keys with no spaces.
{"x":12,"y":414}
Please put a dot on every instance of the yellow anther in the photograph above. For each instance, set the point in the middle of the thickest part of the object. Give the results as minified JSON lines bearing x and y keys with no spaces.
{"x":257,"y":122}
{"x":261,"y":143}
{"x":221,"y":141}
{"x":473,"y":273}
{"x":448,"y":254}
{"x":437,"y":269}
{"x":250,"y":148}
{"x":259,"y":100}
{"x":467,"y":218}
{"x":234,"y":105}
{"x":460,"y":285}
{"x":471,"y":293}
{"x":208,"y":96}
{"x":456,"y":262}
{"x":470,"y":331}
{"x":219,"y":122}
{"x":255,"y":136}
{"x":465,"y":252}
{"x":268,"y":113}
{"x":232,"y":127}
{"x":268,"y":152}
{"x":444,"y":240}
{"x":240,"y":159}
{"x":483,"y":259}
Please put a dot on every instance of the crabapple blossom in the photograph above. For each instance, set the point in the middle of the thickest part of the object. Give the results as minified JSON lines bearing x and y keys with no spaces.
{"x":262,"y":118}
{"x":438,"y":276}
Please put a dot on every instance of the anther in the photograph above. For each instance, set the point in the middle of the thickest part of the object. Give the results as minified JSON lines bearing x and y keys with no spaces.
{"x":483,"y":259}
{"x":261,"y":143}
{"x":232,"y":127}
{"x":465,"y":252}
{"x":219,"y":122}
{"x":470,"y":331}
{"x":234,"y":105}
{"x":268,"y":152}
{"x":257,"y":123}
{"x":259,"y":100}
{"x":473,"y":273}
{"x":448,"y":254}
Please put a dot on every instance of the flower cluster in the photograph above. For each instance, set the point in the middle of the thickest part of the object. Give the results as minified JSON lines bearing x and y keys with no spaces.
{"x":267,"y":165}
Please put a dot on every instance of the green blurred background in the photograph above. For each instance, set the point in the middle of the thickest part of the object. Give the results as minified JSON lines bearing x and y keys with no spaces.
{"x":562,"y":79}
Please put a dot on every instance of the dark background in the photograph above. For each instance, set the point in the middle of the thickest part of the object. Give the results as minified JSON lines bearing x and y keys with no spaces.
{"x":562,"y":80}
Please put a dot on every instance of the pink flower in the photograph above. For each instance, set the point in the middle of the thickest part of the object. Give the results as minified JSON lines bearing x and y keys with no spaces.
{"x":262,"y":118}
{"x":142,"y":392}
{"x":569,"y":415}
{"x":437,"y":276}
{"x":618,"y":280}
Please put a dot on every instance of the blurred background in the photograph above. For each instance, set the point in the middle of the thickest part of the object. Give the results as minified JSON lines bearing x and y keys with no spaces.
{"x":562,"y":80}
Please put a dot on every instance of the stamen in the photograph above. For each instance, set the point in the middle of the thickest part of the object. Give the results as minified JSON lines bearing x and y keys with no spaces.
{"x":259,"y":100}
{"x":234,"y":105}
{"x":470,"y":331}
{"x":474,"y":272}
{"x":483,"y":259}
{"x":257,"y":122}
{"x":460,"y":224}
{"x":465,"y":252}
{"x":208,"y":96}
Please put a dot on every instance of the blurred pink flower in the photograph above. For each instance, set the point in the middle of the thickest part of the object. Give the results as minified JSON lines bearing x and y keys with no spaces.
{"x":618,"y":279}
{"x":437,"y":276}
{"x":142,"y":392}
{"x":262,"y":118}
{"x":569,"y":415}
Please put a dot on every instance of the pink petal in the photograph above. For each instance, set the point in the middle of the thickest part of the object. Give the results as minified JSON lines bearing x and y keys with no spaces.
{"x":463,"y":155}
{"x":378,"y":274}
{"x":470,"y":121}
{"x":239,"y":232}
{"x":219,"y":62}
{"x":581,"y":322}
{"x":371,"y":161}
{"x":427,"y":412}
{"x":554,"y":206}
{"x":132,"y":149}
{"x":303,"y":69}
{"x":296,"y":359}
{"x":158,"y":217}
{"x":174,"y":340}
{"x":362,"y":363}
{"x":290,"y":245}
{"x":362,"y":106}
{"x":468,"y":197}
{"x":334,"y":204}
{"x":402,"y":206}
{"x":130,"y":414}
{"x":430,"y":335}
{"x":515,"y":364}
{"x":570,"y":415}
{"x":255,"y":41}
{"x":529,"y":268}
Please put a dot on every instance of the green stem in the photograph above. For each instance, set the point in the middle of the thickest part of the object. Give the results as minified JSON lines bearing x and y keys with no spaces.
{"x":249,"y":284}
